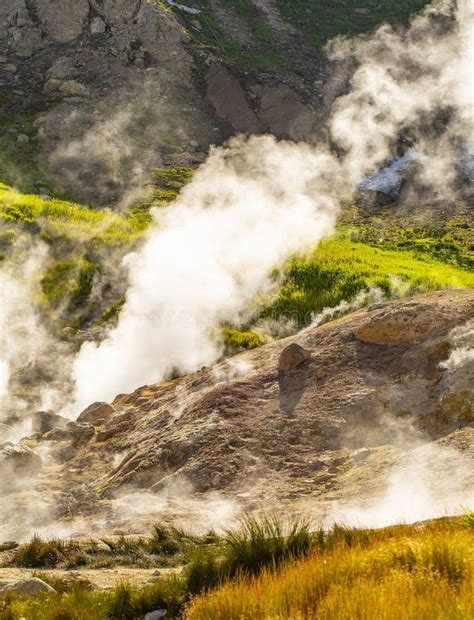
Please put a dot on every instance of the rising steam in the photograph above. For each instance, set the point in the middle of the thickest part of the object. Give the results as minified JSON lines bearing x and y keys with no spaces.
{"x":256,"y":201}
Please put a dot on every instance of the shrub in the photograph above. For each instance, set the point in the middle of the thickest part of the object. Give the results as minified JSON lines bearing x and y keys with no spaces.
{"x":39,"y":553}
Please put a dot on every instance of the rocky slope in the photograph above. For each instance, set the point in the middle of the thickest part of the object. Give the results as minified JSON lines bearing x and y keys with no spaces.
{"x":97,"y":92}
{"x":370,"y":411}
{"x":94,"y":93}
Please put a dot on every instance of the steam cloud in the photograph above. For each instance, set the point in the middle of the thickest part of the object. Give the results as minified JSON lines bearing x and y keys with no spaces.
{"x":257,"y":201}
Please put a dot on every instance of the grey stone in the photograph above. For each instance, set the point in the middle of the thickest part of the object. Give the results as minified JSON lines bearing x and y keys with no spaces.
{"x":156,"y":615}
{"x":23,"y":139}
{"x":63,"y":20}
{"x":26,"y":587}
{"x":62,"y":69}
{"x":98,"y":26}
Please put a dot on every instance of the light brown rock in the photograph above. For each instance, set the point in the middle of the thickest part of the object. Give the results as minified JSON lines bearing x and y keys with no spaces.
{"x":292,"y":357}
{"x":26,"y":587}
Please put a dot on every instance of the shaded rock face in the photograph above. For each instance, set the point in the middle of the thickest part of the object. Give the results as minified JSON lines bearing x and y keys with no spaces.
{"x":314,"y":419}
{"x":283,"y":112}
{"x":278,"y":108}
{"x":45,"y":421}
{"x":229,"y":100}
{"x":63,"y":20}
{"x":18,"y":466}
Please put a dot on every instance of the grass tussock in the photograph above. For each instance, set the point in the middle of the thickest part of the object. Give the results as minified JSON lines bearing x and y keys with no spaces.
{"x":39,"y":553}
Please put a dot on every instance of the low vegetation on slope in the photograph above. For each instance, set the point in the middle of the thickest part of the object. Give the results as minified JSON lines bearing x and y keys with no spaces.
{"x":265,"y":572}
{"x":340,"y":268}
{"x":87,"y":245}
{"x":212,"y":29}
{"x":322,"y":20}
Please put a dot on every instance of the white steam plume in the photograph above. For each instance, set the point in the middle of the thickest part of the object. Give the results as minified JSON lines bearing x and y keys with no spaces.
{"x":248,"y":208}
{"x":257,"y":201}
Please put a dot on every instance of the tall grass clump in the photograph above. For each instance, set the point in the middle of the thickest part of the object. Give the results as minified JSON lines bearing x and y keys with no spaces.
{"x":263,"y":542}
{"x":39,"y":553}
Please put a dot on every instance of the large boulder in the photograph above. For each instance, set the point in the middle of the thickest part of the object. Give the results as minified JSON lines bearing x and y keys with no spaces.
{"x":63,"y":20}
{"x":26,"y":587}
{"x":116,"y":10}
{"x":413,"y":321}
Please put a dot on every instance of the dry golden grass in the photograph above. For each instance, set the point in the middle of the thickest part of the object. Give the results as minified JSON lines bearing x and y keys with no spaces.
{"x":397,"y":574}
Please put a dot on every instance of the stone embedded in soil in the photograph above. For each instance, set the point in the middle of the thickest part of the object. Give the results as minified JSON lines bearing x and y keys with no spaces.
{"x":292,"y":357}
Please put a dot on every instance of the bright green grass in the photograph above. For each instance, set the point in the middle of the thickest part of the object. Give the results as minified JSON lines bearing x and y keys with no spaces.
{"x":322,"y":20}
{"x":59,"y":218}
{"x":340,"y":268}
{"x":386,"y":255}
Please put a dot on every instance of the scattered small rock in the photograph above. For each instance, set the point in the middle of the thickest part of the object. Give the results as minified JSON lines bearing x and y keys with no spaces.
{"x":72,"y":87}
{"x":98,"y":26}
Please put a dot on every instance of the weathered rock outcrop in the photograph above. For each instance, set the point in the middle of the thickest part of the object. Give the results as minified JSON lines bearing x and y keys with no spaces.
{"x":63,"y":20}
{"x":19,"y":465}
{"x":319,"y":419}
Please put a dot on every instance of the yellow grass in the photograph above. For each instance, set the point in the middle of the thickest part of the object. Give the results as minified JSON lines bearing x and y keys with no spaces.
{"x":405,"y":575}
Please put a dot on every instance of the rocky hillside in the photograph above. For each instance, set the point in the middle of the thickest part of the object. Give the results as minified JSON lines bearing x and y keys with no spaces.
{"x":362,"y":412}
{"x":94,"y":93}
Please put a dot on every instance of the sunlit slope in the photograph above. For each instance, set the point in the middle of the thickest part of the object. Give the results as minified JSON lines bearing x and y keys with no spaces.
{"x":84,"y":242}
